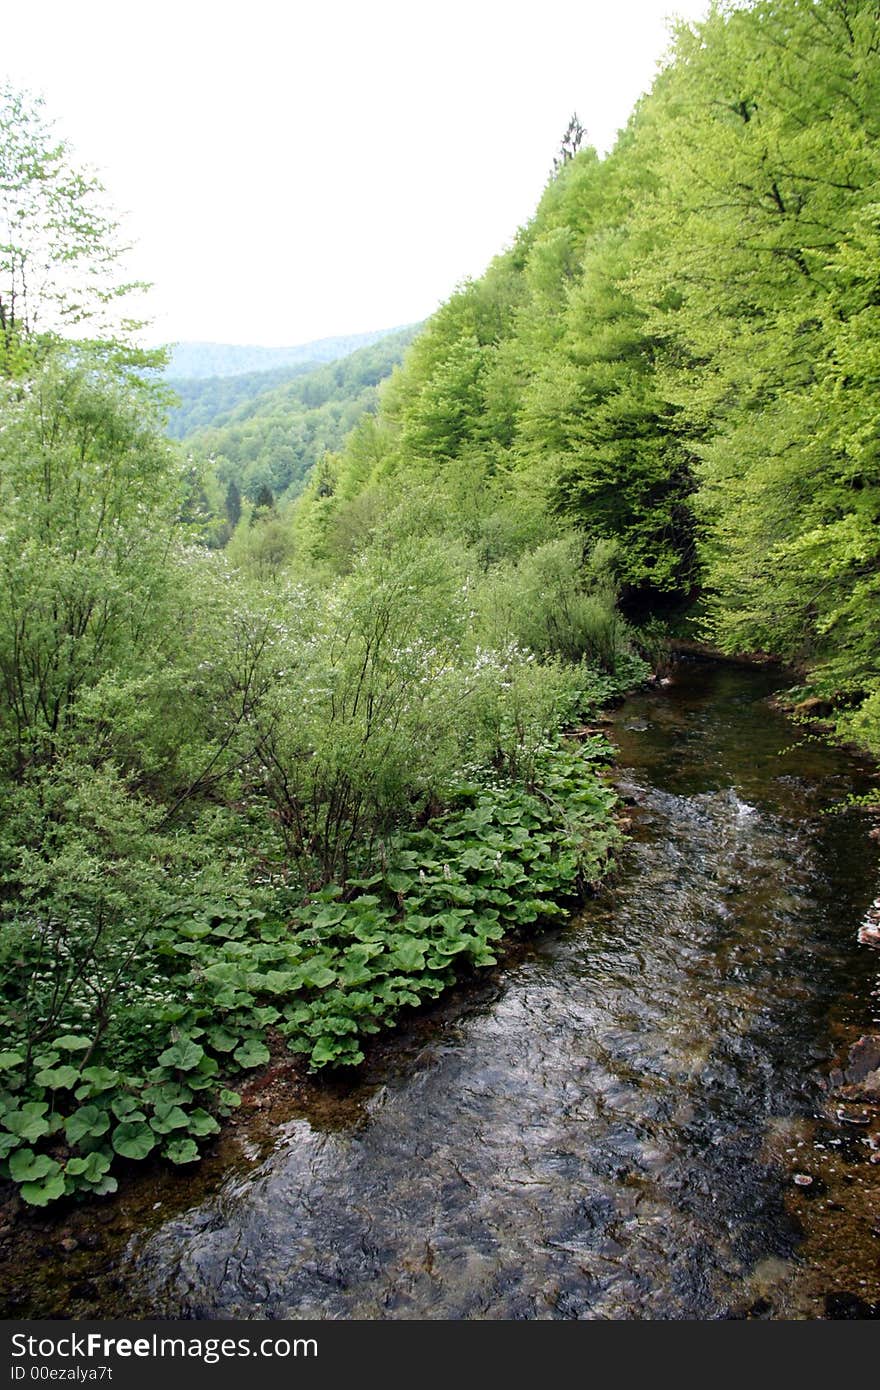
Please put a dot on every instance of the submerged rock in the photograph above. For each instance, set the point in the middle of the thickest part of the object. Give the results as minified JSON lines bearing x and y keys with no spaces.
{"x":864,"y":1058}
{"x":862,"y":1075}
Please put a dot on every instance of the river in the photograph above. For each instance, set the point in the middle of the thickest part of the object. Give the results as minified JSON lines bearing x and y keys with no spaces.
{"x":609,"y":1125}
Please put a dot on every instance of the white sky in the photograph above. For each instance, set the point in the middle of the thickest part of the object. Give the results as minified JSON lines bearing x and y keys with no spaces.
{"x":299,"y":170}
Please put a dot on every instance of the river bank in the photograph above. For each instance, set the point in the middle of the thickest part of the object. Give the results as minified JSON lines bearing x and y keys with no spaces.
{"x":612,"y":1125}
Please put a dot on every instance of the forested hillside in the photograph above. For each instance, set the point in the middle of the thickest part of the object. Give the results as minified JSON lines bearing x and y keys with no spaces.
{"x":273,"y":437}
{"x":202,"y":401}
{"x":678,"y":356}
{"x":271,"y":796}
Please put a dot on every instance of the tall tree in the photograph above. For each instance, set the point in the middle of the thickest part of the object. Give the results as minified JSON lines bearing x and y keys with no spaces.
{"x":571,"y":142}
{"x":233,"y":505}
{"x":60,"y":247}
{"x":89,"y":494}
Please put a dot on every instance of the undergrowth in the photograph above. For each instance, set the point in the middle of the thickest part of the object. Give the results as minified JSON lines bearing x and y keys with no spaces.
{"x":230,"y":978}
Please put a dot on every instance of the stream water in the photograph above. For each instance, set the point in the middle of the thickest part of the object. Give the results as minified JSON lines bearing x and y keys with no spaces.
{"x":609,"y":1125}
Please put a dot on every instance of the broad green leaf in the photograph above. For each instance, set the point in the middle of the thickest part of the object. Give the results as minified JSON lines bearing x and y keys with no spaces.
{"x":58,"y":1078}
{"x":96,"y":1080}
{"x":40,"y":1194}
{"x":26,"y":1166}
{"x":87,"y":1120}
{"x":182,"y":1151}
{"x":126,"y":1108}
{"x":400,"y":882}
{"x":200,"y":1124}
{"x":103,"y":1186}
{"x":329,"y":917}
{"x":407,"y":955}
{"x":208,"y":1066}
{"x":276,"y":981}
{"x":28,"y":1123}
{"x":73,"y":1042}
{"x":251,"y":1054}
{"x":134,"y":1139}
{"x":168,"y":1118}
{"x":223,"y":973}
{"x":332,"y":1024}
{"x":317,"y":975}
{"x":183,"y":1056}
{"x":266,"y":1016}
{"x":167,"y":1093}
{"x":221,"y":1039}
{"x":355,"y":973}
{"x":91,"y":1168}
{"x":325,"y":1050}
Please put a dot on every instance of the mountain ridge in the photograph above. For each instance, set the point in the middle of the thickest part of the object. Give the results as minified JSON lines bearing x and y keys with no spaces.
{"x":199,"y":360}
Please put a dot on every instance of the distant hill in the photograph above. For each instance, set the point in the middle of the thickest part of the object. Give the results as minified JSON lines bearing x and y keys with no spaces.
{"x":205,"y":401}
{"x":273,"y":439}
{"x":202,"y":360}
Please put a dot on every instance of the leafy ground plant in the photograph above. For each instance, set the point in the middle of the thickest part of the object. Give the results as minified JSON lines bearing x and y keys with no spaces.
{"x":333,"y":969}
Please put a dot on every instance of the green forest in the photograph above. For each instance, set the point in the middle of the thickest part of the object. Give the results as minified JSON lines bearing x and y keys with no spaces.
{"x":273,"y":432}
{"x":201,"y":401}
{"x":298,"y":715}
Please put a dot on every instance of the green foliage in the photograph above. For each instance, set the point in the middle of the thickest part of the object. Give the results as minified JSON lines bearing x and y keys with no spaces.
{"x":88,"y":494}
{"x":556,"y":601}
{"x":678,"y":354}
{"x":205,"y":402}
{"x":608,"y":447}
{"x":344,"y":963}
{"x":232,"y":505}
{"x":59,"y":246}
{"x":277,"y":433}
{"x":279,"y":795}
{"x":762,"y":140}
{"x":530,"y":396}
{"x":213,"y":772}
{"x":348,"y":961}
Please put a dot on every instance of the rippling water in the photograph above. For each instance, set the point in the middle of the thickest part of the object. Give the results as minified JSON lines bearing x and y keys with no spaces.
{"x":607,"y":1128}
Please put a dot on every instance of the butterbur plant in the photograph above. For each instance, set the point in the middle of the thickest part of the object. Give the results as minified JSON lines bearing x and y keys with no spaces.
{"x":346,"y":961}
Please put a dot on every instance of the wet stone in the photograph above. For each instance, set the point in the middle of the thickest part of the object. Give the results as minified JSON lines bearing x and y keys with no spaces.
{"x":864,"y":1057}
{"x":849,"y":1306}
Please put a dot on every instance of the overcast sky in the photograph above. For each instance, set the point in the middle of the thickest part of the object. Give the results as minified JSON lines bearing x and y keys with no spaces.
{"x":293,"y":171}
